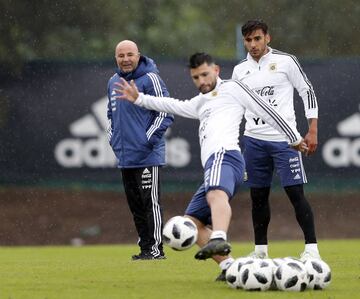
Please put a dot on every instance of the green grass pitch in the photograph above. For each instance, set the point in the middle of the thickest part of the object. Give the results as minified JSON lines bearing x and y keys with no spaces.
{"x":107,"y":272}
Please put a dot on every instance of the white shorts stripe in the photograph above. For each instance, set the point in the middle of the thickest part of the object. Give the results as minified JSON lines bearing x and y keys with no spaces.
{"x":216,"y":168}
{"x":302,"y":168}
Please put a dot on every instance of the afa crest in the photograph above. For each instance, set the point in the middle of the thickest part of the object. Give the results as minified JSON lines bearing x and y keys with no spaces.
{"x":272,"y":67}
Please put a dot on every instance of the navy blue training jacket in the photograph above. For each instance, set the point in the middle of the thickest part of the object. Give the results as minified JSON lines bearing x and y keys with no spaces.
{"x":136,"y":134}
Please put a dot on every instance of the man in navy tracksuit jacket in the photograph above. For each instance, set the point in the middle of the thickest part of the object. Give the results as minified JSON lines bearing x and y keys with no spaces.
{"x":136,"y":136}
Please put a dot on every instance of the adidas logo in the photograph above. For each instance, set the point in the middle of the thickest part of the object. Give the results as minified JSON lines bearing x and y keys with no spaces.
{"x":344,"y":151}
{"x":90,"y":147}
{"x":297,"y":177}
{"x":350,"y":126}
{"x":247,"y":73}
{"x":146,"y":174}
{"x":91,"y":125}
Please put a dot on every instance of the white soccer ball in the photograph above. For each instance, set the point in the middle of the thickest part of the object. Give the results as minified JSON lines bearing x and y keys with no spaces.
{"x":256,"y":276}
{"x":278,"y":261}
{"x":319,"y":273}
{"x":291,"y":275}
{"x":273,"y":265}
{"x":180,"y":233}
{"x":233,"y":272}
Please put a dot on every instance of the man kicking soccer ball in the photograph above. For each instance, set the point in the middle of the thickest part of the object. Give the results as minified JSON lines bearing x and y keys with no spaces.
{"x":220,"y":107}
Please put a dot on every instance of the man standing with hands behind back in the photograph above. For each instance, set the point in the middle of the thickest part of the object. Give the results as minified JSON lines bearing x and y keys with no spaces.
{"x":274,"y":75}
{"x":136,"y":136}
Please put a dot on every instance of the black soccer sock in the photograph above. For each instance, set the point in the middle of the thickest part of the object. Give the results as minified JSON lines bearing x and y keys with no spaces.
{"x":303,"y":212}
{"x":260,"y":213}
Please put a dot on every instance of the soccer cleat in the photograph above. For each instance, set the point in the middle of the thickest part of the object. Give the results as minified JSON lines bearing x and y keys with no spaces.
{"x":159,"y":257}
{"x":136,"y":257}
{"x":222,"y":276}
{"x":309,"y":255}
{"x":213,"y":247}
{"x":258,"y":255}
{"x":147,"y":256}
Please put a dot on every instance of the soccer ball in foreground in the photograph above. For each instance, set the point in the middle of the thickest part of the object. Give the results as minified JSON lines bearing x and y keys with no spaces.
{"x":180,"y":233}
{"x":233,"y":272}
{"x":278,"y":261}
{"x":256,"y":276}
{"x":319,"y":274}
{"x":291,"y":276}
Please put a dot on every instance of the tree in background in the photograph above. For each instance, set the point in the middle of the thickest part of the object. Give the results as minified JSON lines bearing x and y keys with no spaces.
{"x":88,"y":30}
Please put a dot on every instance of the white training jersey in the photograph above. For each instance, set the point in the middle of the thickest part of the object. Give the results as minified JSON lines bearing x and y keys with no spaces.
{"x":220,"y":113}
{"x":274,"y":78}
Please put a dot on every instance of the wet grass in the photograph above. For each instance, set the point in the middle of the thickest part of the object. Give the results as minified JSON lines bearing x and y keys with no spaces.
{"x":107,"y":272}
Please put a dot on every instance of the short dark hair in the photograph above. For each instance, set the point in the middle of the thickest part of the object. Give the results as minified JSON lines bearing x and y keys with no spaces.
{"x":198,"y":59}
{"x":253,"y":25}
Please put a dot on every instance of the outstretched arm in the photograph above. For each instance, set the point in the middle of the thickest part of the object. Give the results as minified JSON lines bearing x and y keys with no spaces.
{"x":129,"y":92}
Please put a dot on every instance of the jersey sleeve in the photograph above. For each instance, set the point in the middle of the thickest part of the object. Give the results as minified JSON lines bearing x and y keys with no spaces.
{"x":185,"y":108}
{"x":303,"y":86}
{"x":250,"y":100}
{"x":161,"y":120}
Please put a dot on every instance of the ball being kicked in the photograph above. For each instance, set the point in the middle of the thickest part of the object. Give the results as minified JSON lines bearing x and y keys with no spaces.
{"x":180,"y":233}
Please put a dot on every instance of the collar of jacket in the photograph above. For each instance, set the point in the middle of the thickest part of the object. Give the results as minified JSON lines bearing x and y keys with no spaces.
{"x":264,"y":57}
{"x":146,"y":65}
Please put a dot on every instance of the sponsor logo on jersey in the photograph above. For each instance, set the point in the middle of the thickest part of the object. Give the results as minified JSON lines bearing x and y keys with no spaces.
{"x":265,"y":91}
{"x":344,"y":151}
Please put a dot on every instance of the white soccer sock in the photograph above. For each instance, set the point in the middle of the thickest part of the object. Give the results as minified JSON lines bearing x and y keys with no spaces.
{"x":218,"y":234}
{"x":225,"y":264}
{"x":261,"y":248}
{"x":312,"y":248}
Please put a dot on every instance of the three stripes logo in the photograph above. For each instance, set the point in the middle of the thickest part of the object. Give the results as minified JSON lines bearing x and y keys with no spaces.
{"x":344,"y":151}
{"x":297,"y":177}
{"x":89,"y":145}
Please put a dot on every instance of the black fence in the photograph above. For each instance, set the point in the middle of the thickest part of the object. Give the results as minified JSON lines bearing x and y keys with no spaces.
{"x":52,"y":123}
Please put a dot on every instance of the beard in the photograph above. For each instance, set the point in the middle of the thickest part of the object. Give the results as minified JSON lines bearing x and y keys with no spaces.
{"x":207,"y":88}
